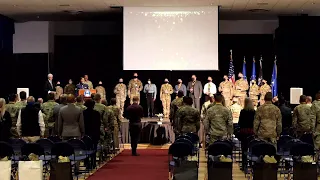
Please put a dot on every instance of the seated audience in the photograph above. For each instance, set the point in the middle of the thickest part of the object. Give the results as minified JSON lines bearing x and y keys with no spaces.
{"x":5,"y":122}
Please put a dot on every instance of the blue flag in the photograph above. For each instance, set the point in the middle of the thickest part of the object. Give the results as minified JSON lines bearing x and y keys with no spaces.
{"x":274,"y":84}
{"x":244,"y":71}
{"x":253,"y":75}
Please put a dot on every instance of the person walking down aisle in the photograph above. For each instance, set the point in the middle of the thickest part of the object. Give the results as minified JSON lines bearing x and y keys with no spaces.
{"x":134,"y":114}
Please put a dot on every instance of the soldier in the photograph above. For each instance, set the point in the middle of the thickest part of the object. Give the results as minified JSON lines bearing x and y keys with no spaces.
{"x":263,"y":90}
{"x":165,"y":96}
{"x":13,"y":110}
{"x":117,"y":123}
{"x":108,"y":121}
{"x":86,"y":81}
{"x":23,"y":100}
{"x":59,"y":91}
{"x":267,"y":124}
{"x":315,"y":115}
{"x":301,"y":119}
{"x":79,"y":103}
{"x":254,"y":93}
{"x":226,"y":88}
{"x":235,"y":109}
{"x":101,"y":109}
{"x":47,"y":109}
{"x":187,"y":118}
{"x":218,"y":121}
{"x":70,"y":88}
{"x":175,"y":105}
{"x":208,"y":100}
{"x":101,"y":90}
{"x":241,"y":86}
{"x":121,"y":94}
{"x":134,"y":88}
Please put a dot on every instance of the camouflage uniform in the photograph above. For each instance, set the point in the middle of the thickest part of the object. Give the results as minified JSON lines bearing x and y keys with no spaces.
{"x":89,"y":84}
{"x":81,"y":106}
{"x":134,"y":89}
{"x":218,"y":122}
{"x":178,"y":102}
{"x":13,"y":109}
{"x":241,"y":90}
{"x":59,"y":92}
{"x":70,"y":89}
{"x":165,"y":96}
{"x":302,"y":120}
{"x":21,"y":104}
{"x":315,"y":119}
{"x":117,"y":125}
{"x":267,"y":124}
{"x":254,"y":93}
{"x":204,"y":109}
{"x":102,"y":91}
{"x":263,"y":91}
{"x":187,"y":119}
{"x":101,"y":109}
{"x":227,"y":89}
{"x":121,"y":94}
{"x":108,"y":123}
{"x":49,"y":121}
{"x":235,"y":111}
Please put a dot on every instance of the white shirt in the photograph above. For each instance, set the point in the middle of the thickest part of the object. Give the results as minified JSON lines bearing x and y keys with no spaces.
{"x":41,"y":123}
{"x":213,"y":88}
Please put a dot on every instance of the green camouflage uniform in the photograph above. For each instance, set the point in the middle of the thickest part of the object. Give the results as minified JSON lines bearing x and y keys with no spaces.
{"x":187,"y":119}
{"x":49,"y":121}
{"x":302,"y":120}
{"x":108,"y":123}
{"x":267,"y":124}
{"x":218,"y":122}
{"x":315,"y":118}
{"x":21,"y":104}
{"x":101,"y":109}
{"x":13,"y":109}
{"x":117,"y":124}
{"x":81,"y":106}
{"x":176,"y":102}
{"x":204,"y":109}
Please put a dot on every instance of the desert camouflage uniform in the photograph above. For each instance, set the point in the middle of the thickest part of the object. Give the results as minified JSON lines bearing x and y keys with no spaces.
{"x":165,"y":96}
{"x":218,"y":122}
{"x":102,"y":91}
{"x":117,"y":124}
{"x":267,"y":124}
{"x":13,"y":110}
{"x":134,"y":89}
{"x":121,"y":94}
{"x":241,"y":86}
{"x":70,"y":89}
{"x":49,"y":121}
{"x":204,"y":109}
{"x":263,"y":91}
{"x":89,"y":84}
{"x":235,"y":111}
{"x":81,"y":106}
{"x":187,"y":119}
{"x":254,"y":93}
{"x":227,"y":89}
{"x":302,"y":120}
{"x":315,"y":119}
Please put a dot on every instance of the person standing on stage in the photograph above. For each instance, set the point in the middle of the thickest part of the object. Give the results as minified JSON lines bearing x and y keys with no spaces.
{"x":180,"y":87}
{"x":151,"y":93}
{"x":226,"y":88}
{"x":263,"y":91}
{"x":134,"y":87}
{"x":101,"y":90}
{"x":134,"y":114}
{"x":241,"y":89}
{"x":82,"y":84}
{"x":86,"y":81}
{"x":210,"y":88}
{"x":254,"y":93}
{"x":195,"y":91}
{"x":49,"y":86}
{"x":70,"y":88}
{"x":59,"y":91}
{"x":165,"y":96}
{"x":121,"y":94}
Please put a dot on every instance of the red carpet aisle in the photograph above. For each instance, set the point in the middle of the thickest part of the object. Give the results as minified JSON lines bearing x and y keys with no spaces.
{"x":151,"y":164}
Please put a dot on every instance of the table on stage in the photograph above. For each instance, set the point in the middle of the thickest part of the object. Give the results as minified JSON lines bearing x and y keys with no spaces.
{"x":152,"y":132}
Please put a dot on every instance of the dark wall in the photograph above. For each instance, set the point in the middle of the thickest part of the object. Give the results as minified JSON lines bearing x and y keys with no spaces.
{"x":101,"y":58}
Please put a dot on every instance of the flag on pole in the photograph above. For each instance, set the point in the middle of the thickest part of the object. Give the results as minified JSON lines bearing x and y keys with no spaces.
{"x":260,"y":78}
{"x":231,"y":75}
{"x":253,"y":75}
{"x":244,"y":69}
{"x":274,"y":84}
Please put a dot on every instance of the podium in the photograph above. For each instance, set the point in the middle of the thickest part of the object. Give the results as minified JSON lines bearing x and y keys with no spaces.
{"x":86,"y":93}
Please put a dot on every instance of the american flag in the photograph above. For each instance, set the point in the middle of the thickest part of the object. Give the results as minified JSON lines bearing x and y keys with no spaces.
{"x":231,"y":75}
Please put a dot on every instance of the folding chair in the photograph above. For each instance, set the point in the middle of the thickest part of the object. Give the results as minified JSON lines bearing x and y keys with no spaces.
{"x":91,"y":150}
{"x":307,"y":138}
{"x":80,"y":154}
{"x":16,"y":145}
{"x":55,"y":139}
{"x":47,"y":145}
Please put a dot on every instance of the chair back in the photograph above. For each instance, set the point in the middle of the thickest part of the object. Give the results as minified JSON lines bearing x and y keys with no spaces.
{"x":88,"y":142}
{"x":283,"y":140}
{"x":307,"y":138}
{"x":77,"y":144}
{"x":184,"y":140}
{"x":180,"y":149}
{"x":302,"y":149}
{"x":220,"y":148}
{"x":17,"y":144}
{"x":62,"y":149}
{"x":6,"y":149}
{"x":253,"y":143}
{"x":184,"y":136}
{"x":32,"y":148}
{"x":46,"y":144}
{"x":263,"y":148}
{"x":55,"y":139}
{"x":194,"y":138}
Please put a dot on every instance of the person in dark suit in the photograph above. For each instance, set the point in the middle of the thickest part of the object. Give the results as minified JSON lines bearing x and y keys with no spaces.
{"x":70,"y":120}
{"x":49,"y":86}
{"x":134,"y":114}
{"x":82,"y":85}
{"x":92,"y":125}
{"x":195,"y":91}
{"x":5,"y":122}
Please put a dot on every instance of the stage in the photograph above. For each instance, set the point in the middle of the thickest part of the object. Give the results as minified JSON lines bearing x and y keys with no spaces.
{"x":152,"y":131}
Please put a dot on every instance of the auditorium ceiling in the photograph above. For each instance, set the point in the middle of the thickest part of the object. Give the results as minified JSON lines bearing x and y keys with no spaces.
{"x":229,"y":8}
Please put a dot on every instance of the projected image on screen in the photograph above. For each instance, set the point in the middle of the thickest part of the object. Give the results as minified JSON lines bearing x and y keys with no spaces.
{"x":169,"y":38}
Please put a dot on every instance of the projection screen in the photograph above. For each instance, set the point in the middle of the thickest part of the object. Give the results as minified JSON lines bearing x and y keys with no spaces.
{"x":170,"y":38}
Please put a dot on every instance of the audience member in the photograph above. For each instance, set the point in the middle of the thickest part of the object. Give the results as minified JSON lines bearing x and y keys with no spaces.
{"x":5,"y":122}
{"x":301,"y":120}
{"x":40,"y":101}
{"x":235,"y":109}
{"x":56,"y":110}
{"x":175,"y":104}
{"x":315,"y":110}
{"x":117,"y":124}
{"x":70,"y":121}
{"x":23,"y":100}
{"x":286,"y":116}
{"x":13,"y":110}
{"x":79,"y":103}
{"x":30,"y":123}
{"x":309,"y":101}
{"x":104,"y":102}
{"x":48,"y":108}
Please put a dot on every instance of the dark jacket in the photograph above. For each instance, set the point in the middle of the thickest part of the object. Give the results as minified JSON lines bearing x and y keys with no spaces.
{"x":70,"y":121}
{"x":245,"y":123}
{"x":30,"y":121}
{"x":134,"y":113}
{"x":286,"y":117}
{"x":48,"y":87}
{"x":92,"y":124}
{"x":5,"y":125}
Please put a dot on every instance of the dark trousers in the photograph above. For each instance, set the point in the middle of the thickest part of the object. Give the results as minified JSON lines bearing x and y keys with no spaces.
{"x":135,"y":130}
{"x":150,"y":104}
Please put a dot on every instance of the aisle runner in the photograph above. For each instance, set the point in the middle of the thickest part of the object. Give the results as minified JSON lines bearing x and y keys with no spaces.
{"x":151,"y":164}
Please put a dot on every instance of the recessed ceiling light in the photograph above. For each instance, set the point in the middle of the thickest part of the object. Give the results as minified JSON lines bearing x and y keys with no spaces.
{"x":15,"y":5}
{"x":64,"y":5}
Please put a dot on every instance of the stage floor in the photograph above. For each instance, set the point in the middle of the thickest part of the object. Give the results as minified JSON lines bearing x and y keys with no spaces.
{"x":148,"y":119}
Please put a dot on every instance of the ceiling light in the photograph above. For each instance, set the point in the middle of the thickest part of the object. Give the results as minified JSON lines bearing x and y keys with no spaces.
{"x":313,"y":3}
{"x":64,"y":5}
{"x":262,"y":4}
